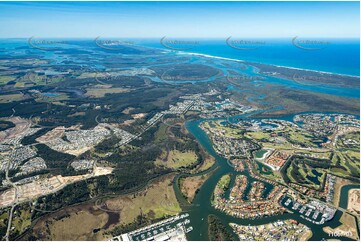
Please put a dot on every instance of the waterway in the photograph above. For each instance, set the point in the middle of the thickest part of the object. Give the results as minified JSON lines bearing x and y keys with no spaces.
{"x":344,"y":195}
{"x":201,"y":206}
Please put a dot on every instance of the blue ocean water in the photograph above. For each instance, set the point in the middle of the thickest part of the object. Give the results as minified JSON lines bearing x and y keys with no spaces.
{"x":338,"y":56}
{"x":341,"y":56}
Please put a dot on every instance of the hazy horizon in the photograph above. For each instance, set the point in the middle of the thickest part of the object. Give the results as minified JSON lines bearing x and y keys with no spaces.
{"x":171,"y":37}
{"x":179,"y":19}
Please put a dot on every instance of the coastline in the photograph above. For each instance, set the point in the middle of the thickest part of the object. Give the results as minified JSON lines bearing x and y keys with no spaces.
{"x":252,"y":62}
{"x":181,"y":52}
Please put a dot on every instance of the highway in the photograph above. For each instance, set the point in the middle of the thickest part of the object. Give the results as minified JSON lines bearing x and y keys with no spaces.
{"x":6,"y":237}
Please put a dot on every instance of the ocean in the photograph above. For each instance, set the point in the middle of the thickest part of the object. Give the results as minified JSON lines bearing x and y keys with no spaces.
{"x":340,"y":56}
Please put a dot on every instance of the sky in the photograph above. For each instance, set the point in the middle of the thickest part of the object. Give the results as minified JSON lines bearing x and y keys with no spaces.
{"x":179,"y":19}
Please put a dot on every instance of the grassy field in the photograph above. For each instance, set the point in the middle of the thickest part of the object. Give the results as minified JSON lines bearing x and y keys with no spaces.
{"x":292,"y":136}
{"x":177,"y":159}
{"x":101,"y":92}
{"x":342,"y":141}
{"x":23,"y":221}
{"x":223,"y":183}
{"x":284,"y":146}
{"x":3,"y":217}
{"x":206,"y":164}
{"x":298,"y":137}
{"x":349,"y":160}
{"x":260,"y":153}
{"x":54,"y":99}
{"x":190,"y":185}
{"x":317,"y":155}
{"x":157,"y":200}
{"x":67,"y":229}
{"x":94,"y":221}
{"x":296,"y":101}
{"x":258,"y":135}
{"x":75,"y":223}
{"x":272,"y":175}
{"x":161,"y":134}
{"x":306,"y":175}
{"x":11,"y":97}
{"x":38,"y":79}
{"x":227,"y":131}
{"x":6,"y":79}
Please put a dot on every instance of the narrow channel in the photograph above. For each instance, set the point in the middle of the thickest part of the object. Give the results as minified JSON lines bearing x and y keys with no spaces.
{"x":201,"y":206}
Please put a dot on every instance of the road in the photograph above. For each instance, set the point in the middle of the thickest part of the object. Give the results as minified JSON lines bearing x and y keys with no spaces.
{"x":6,"y":237}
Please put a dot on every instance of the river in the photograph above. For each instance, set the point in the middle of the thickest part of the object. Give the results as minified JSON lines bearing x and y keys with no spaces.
{"x":201,"y":206}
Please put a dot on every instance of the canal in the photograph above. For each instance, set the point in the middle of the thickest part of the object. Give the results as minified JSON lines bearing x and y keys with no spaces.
{"x":201,"y":206}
